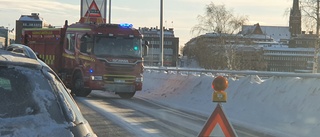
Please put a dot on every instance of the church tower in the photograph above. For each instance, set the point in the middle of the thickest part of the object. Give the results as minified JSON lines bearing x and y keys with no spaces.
{"x":295,"y":19}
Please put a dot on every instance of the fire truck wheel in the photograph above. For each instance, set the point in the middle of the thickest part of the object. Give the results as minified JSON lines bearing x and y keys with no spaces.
{"x":78,"y":86}
{"x":126,"y":95}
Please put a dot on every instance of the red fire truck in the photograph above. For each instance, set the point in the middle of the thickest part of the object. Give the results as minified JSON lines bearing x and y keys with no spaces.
{"x":89,"y":56}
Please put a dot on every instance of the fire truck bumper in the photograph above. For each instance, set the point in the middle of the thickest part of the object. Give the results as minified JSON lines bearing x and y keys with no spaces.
{"x":120,"y":88}
{"x":95,"y":85}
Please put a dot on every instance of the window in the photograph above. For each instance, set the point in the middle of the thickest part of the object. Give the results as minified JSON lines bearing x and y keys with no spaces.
{"x":16,"y":90}
{"x":86,"y":43}
{"x":71,"y":42}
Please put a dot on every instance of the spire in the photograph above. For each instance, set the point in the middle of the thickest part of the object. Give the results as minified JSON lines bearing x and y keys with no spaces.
{"x":295,"y":10}
{"x":295,"y":5}
{"x":295,"y":19}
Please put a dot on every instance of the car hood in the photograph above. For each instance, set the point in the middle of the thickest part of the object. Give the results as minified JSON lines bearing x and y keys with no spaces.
{"x":33,"y":125}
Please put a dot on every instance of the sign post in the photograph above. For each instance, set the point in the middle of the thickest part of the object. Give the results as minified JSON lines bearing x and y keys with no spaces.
{"x":219,"y":84}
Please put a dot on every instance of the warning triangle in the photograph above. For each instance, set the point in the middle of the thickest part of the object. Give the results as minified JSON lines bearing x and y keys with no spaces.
{"x":217,"y":132}
{"x":93,"y":10}
{"x":217,"y":118}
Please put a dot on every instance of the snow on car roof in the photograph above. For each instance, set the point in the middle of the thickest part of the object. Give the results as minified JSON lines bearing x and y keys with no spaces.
{"x":8,"y":58}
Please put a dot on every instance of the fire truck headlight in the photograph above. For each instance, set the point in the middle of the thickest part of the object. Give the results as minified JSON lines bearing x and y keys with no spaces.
{"x":139,"y":79}
{"x":96,"y":77}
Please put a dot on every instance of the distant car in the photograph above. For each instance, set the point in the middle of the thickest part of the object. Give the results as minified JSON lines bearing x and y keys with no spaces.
{"x":34,"y":101}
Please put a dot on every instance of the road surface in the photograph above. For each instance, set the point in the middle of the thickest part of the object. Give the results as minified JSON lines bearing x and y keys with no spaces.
{"x":110,"y":115}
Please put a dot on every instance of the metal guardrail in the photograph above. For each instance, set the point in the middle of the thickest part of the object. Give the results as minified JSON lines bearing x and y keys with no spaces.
{"x":235,"y":73}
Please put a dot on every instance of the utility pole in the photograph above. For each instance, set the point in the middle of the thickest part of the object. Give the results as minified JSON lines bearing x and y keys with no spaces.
{"x":161,"y":33}
{"x":109,"y":12}
{"x":316,"y":49}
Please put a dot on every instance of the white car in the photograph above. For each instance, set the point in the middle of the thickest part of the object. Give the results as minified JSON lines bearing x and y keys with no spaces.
{"x":34,"y":101}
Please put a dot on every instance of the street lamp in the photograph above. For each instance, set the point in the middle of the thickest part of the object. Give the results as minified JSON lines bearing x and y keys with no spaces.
{"x":109,"y":12}
{"x":161,"y":32}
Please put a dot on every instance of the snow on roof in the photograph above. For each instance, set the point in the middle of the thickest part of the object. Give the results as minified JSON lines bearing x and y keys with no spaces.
{"x":287,"y":49}
{"x":258,"y":36}
{"x":29,"y":18}
{"x":277,"y":32}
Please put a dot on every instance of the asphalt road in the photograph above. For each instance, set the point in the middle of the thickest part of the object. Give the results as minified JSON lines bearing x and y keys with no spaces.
{"x":112,"y":116}
{"x":101,"y":125}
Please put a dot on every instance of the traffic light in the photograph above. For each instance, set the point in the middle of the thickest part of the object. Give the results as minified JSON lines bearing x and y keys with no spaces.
{"x":219,"y":84}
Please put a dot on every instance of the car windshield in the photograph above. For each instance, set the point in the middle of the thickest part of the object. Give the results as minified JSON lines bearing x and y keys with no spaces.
{"x":110,"y":46}
{"x":28,"y":92}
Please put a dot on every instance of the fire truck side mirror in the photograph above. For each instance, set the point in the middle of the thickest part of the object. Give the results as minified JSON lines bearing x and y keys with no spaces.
{"x":146,"y":42}
{"x":145,"y":48}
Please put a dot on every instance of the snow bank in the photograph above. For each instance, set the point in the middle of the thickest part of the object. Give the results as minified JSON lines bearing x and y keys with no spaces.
{"x":282,"y":106}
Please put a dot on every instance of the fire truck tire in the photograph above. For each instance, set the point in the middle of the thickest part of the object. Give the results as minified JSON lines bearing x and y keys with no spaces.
{"x":78,"y":86}
{"x":126,"y":95}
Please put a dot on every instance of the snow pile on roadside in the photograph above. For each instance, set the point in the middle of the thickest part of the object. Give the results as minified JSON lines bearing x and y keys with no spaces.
{"x":283,"y":106}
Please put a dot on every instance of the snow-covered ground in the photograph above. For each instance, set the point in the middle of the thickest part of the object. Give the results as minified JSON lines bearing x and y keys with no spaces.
{"x":287,"y":106}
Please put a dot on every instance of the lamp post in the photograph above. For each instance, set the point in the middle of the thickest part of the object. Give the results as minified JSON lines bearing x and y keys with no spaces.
{"x":161,"y":33}
{"x":109,"y":12}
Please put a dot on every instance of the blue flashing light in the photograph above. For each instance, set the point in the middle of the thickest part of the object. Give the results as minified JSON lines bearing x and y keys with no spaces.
{"x":91,"y":70}
{"x":125,"y":25}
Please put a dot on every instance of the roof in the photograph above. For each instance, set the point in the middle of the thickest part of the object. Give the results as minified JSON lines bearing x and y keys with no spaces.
{"x":288,"y":49}
{"x":276,"y":32}
{"x":20,"y":55}
{"x":17,"y":59}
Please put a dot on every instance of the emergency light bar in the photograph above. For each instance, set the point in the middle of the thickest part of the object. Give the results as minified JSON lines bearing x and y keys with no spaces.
{"x":125,"y":25}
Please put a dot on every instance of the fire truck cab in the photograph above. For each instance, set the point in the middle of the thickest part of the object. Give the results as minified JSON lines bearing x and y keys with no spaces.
{"x":89,"y":56}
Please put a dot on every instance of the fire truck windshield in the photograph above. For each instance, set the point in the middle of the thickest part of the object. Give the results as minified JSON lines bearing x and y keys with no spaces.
{"x":117,"y":46}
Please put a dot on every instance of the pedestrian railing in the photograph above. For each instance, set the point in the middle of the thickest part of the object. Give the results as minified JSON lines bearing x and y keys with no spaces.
{"x":177,"y":70}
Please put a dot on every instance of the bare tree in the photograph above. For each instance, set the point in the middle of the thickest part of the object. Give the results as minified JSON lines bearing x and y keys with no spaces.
{"x":218,"y":54}
{"x":218,"y":19}
{"x":310,"y":10}
{"x":309,"y":14}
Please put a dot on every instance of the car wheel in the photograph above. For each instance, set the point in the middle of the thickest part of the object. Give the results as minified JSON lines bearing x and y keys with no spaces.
{"x":78,"y":86}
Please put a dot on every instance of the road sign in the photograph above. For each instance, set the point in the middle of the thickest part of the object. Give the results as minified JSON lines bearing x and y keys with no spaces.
{"x":92,"y":14}
{"x":93,"y":10}
{"x":218,"y":117}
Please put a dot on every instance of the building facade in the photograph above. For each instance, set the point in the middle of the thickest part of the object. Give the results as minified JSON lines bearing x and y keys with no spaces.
{"x":29,"y":21}
{"x":6,"y":36}
{"x":289,"y":59}
{"x":170,"y":46}
{"x":229,"y":51}
{"x":303,"y":40}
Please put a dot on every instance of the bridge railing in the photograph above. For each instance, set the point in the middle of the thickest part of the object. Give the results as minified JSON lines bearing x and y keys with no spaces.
{"x":232,"y":72}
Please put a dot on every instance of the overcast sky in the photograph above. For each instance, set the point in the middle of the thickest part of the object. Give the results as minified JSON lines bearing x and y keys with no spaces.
{"x":179,"y":14}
